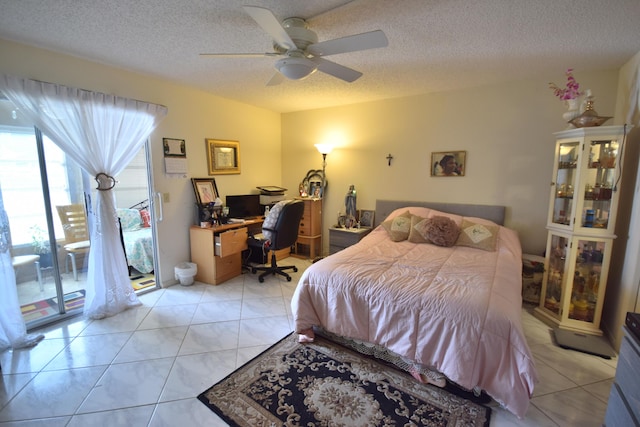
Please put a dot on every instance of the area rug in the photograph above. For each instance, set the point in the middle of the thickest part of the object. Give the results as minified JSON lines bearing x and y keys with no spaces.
{"x":49,"y":307}
{"x":325,"y":384}
{"x":142,"y":281}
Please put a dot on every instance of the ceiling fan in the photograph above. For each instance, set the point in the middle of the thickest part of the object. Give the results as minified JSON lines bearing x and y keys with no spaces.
{"x":302,"y":54}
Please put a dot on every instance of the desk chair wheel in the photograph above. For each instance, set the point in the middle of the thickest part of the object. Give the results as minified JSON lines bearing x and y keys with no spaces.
{"x":295,"y":269}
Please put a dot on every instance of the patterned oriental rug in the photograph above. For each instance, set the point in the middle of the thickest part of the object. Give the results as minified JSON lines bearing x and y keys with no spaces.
{"x":325,"y":384}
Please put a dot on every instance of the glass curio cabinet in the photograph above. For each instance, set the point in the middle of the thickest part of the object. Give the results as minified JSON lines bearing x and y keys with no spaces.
{"x":582,"y":210}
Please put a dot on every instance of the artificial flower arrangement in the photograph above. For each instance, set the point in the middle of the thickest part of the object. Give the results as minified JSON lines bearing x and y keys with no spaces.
{"x":571,"y":91}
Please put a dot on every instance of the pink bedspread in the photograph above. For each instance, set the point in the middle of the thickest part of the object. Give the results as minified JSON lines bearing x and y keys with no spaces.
{"x":456,"y":310}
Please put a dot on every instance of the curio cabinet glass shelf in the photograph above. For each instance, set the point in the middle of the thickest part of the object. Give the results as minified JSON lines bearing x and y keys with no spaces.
{"x":583,"y":204}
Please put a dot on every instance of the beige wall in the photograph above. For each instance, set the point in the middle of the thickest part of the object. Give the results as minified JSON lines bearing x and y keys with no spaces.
{"x":193,"y":116}
{"x":506,"y":130}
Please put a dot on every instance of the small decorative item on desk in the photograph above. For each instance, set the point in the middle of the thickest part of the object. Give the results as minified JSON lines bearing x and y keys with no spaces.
{"x":210,"y":212}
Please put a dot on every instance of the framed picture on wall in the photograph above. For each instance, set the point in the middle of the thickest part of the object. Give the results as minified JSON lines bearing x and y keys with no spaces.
{"x":174,"y":147}
{"x":448,"y":163}
{"x":223,"y":157}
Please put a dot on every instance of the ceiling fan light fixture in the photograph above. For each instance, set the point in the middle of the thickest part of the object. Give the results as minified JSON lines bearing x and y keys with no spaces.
{"x":296,"y":68}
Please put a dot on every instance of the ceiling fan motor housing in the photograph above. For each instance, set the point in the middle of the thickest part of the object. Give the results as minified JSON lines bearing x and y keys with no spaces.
{"x":299,"y":32}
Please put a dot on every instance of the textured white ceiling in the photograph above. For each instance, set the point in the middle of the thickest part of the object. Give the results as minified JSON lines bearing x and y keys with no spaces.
{"x":434,"y":45}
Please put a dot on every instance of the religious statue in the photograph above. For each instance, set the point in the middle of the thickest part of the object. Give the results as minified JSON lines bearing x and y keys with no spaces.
{"x":350,"y":202}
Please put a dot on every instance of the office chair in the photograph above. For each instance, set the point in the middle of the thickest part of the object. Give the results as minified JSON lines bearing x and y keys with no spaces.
{"x":280,"y":231}
{"x":76,"y":233}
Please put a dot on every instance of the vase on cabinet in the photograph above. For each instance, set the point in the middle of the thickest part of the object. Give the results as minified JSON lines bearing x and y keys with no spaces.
{"x":573,"y":111}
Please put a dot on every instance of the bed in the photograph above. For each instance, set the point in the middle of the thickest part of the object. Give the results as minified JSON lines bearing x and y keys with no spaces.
{"x":137,"y":238}
{"x":440,"y":311}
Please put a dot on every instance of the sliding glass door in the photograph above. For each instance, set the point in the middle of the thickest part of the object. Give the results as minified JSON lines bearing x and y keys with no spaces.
{"x":46,"y":196}
{"x":38,"y":184}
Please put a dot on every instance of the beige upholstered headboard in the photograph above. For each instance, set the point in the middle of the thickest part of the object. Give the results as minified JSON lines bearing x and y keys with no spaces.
{"x":491,"y":212}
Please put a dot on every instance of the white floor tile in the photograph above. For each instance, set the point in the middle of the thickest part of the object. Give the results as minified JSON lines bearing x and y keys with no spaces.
{"x":210,"y":337}
{"x":193,"y":374}
{"x":138,"y":416}
{"x":52,"y":394}
{"x":187,"y":412}
{"x":93,"y":350}
{"x":575,"y":408}
{"x":127,"y":385}
{"x":152,"y":344}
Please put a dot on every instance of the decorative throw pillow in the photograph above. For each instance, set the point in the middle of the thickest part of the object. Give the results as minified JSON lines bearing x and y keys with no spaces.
{"x":129,"y":219}
{"x":441,"y":231}
{"x":272,"y":218}
{"x":417,"y":231}
{"x":476,"y":235}
{"x":146,"y":218}
{"x":398,"y":227}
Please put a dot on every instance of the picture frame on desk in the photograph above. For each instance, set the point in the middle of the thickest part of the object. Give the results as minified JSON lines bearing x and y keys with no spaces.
{"x":366,"y":218}
{"x":314,"y":184}
{"x":205,"y":190}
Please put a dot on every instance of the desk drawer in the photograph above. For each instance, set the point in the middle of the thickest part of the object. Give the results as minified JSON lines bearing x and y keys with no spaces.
{"x":227,"y":267}
{"x":231,"y":242}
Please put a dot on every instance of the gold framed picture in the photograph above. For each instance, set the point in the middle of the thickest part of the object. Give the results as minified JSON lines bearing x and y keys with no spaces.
{"x":448,"y":163}
{"x":223,"y":157}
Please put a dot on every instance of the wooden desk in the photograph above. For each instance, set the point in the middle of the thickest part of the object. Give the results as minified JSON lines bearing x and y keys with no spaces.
{"x":217,"y":251}
{"x":249,"y":223}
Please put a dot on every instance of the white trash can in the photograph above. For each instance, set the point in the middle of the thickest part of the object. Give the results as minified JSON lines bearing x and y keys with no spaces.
{"x":184,"y":272}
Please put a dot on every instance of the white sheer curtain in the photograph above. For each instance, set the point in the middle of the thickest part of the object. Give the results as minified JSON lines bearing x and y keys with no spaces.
{"x":101,"y":133}
{"x":13,"y":332}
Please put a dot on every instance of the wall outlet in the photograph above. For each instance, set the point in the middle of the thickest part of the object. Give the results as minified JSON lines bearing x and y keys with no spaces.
{"x":166,"y":198}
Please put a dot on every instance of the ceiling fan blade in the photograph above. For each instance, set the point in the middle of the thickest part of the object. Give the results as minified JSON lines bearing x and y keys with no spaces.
{"x":241,"y":55}
{"x":336,"y":70}
{"x":364,"y":41}
{"x":267,"y":20}
{"x":276,"y":79}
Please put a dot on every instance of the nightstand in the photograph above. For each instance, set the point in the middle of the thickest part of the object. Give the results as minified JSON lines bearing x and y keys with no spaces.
{"x":340,"y":238}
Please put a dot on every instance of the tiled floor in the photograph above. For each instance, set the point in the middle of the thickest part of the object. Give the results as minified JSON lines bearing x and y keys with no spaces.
{"x":146,"y":366}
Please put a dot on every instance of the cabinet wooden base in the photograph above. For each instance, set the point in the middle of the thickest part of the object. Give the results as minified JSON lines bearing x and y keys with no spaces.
{"x":308,"y":247}
{"x":549,"y":319}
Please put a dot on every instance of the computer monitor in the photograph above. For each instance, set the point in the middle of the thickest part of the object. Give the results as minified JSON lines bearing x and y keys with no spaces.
{"x":244,"y":206}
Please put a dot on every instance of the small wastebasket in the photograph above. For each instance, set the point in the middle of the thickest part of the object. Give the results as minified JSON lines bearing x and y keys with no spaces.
{"x":184,"y":272}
